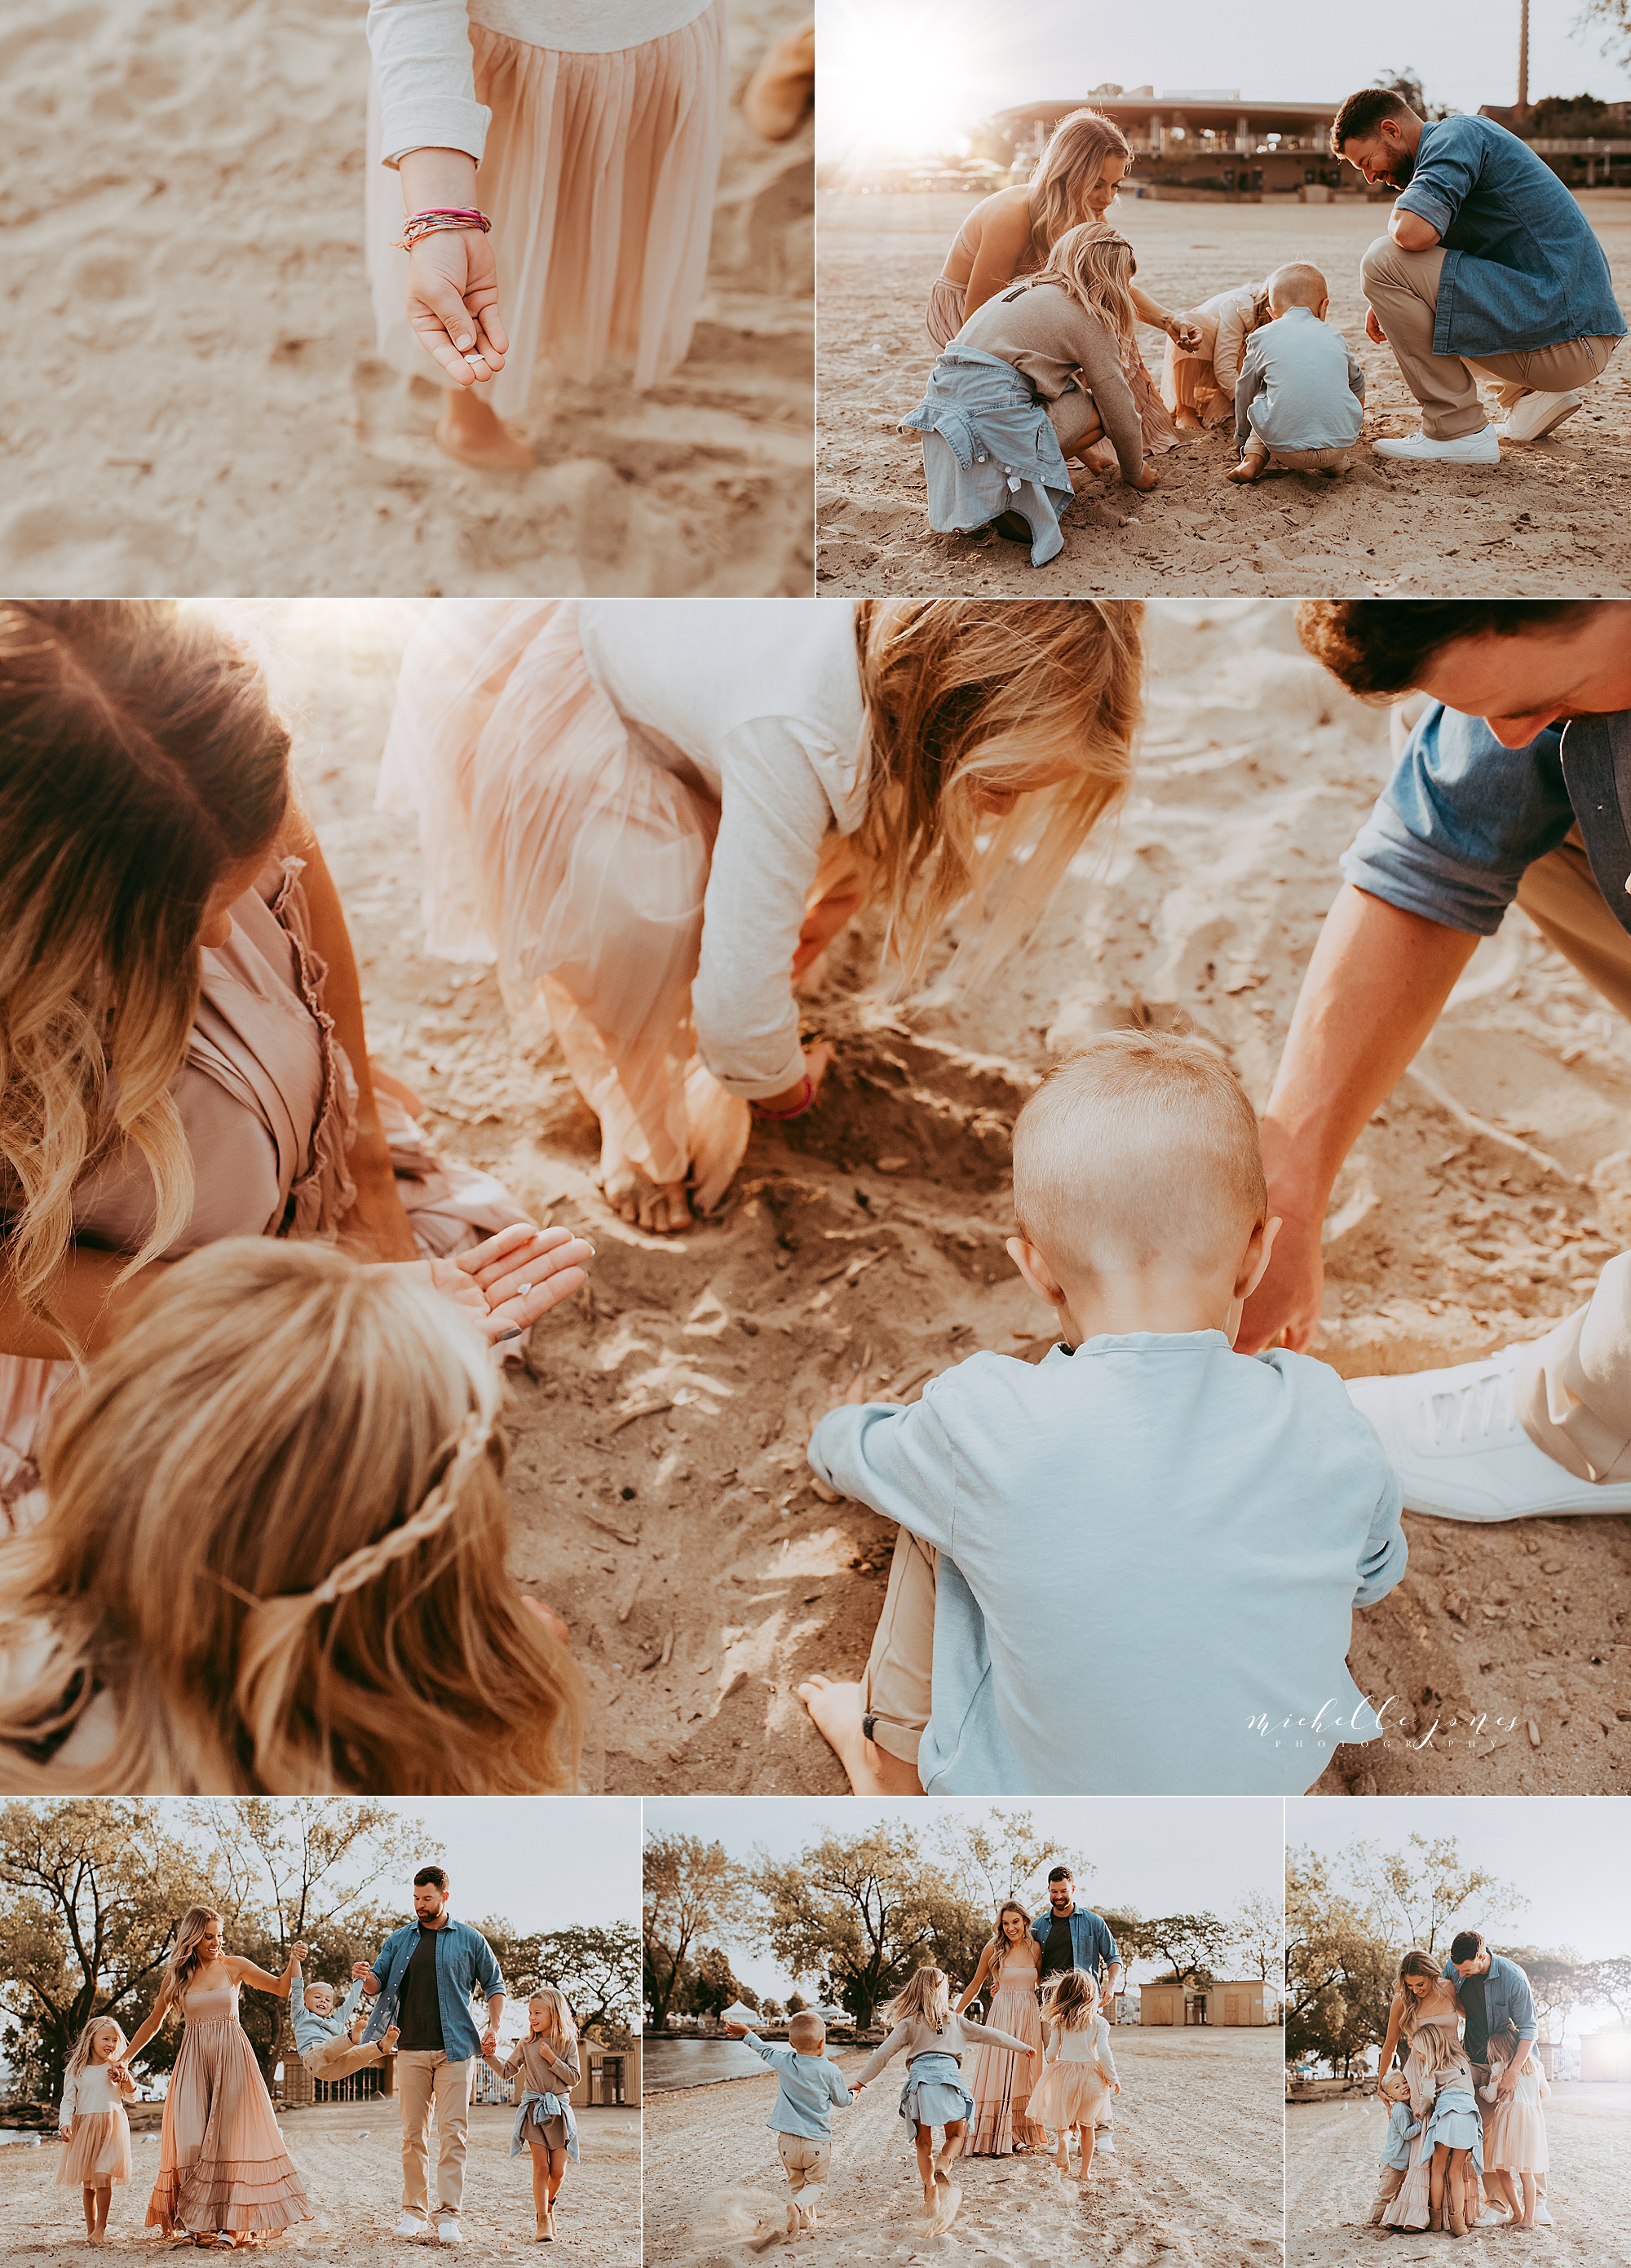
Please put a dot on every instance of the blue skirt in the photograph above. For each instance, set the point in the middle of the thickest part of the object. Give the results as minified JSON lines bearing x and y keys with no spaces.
{"x":934,"y":2093}
{"x":1454,"y":2122}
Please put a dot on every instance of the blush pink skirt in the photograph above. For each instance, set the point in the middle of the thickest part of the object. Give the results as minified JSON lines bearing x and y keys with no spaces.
{"x":97,"y":2152}
{"x":598,"y":179}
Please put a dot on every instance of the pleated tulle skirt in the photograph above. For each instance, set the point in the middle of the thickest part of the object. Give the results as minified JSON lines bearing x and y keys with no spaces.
{"x":97,"y":2151}
{"x":1000,"y":2080}
{"x":598,"y":179}
{"x":1070,"y":2094}
{"x":1515,"y":2139}
{"x":222,"y":2163}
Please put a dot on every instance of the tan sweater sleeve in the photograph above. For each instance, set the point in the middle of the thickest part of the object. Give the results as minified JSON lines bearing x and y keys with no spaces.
{"x":880,"y":2056}
{"x":1099,"y":359}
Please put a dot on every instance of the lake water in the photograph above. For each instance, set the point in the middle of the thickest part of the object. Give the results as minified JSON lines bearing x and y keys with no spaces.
{"x":666,"y":2063}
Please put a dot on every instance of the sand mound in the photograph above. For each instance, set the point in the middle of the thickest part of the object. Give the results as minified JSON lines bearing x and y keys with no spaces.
{"x":1535,"y":527}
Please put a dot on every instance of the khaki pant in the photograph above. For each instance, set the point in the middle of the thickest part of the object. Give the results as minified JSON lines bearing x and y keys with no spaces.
{"x":1302,"y":460}
{"x":1387,"y":2188}
{"x":338,"y":2058}
{"x":894,"y":1690}
{"x":424,"y":2076}
{"x":1402,"y":288}
{"x":806,"y":2160}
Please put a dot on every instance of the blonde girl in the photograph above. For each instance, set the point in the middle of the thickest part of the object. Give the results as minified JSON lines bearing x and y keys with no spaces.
{"x":1010,"y":234}
{"x":1000,"y":2082}
{"x":1440,"y":2095}
{"x":933,"y":2041}
{"x":1079,"y":2077}
{"x":224,"y":2174}
{"x":544,"y":2064}
{"x":273,"y":1555}
{"x":656,"y":818}
{"x":1515,"y":2137}
{"x":182,"y":1053}
{"x":95,"y":2132}
{"x":1198,"y":383}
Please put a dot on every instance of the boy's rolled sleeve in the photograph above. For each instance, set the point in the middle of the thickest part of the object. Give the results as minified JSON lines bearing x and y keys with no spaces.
{"x":897,"y":1461}
{"x":1382,"y":1562}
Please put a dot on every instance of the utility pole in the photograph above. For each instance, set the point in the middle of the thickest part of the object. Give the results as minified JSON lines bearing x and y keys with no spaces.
{"x":1523,"y":61}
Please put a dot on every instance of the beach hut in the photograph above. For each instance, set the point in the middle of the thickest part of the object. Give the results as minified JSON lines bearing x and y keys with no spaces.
{"x":1237,"y":2001}
{"x":609,"y":2077}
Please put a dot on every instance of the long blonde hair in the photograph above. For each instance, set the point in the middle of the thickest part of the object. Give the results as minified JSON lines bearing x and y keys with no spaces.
{"x":1069,"y":168}
{"x":140,"y":763}
{"x":965,"y":695}
{"x":1415,"y":1964}
{"x":564,"y":2026}
{"x":1070,"y":2001}
{"x":275,"y":1542}
{"x":1001,"y":1947}
{"x":1437,"y":2049}
{"x":81,"y":2056}
{"x":1096,"y":267}
{"x":924,"y":1999}
{"x":184,"y":1963}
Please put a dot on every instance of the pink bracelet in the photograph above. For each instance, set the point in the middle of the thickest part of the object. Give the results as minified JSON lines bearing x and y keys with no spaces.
{"x":798,"y":1110}
{"x":436,"y":219}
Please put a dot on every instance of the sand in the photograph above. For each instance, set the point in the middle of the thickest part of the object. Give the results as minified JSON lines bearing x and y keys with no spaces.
{"x":1331,"y":2177}
{"x":701,"y":1575}
{"x":190,"y":399}
{"x":350,"y":2158}
{"x":1553,"y":519}
{"x":1195,"y":2177}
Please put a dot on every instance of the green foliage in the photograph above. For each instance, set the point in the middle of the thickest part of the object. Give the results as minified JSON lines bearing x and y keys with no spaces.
{"x":598,"y":1969}
{"x":689,"y":1887}
{"x":1613,"y":19}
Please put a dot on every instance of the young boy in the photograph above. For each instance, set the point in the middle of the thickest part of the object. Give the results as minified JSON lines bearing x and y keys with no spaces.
{"x":1300,"y":397}
{"x":1403,"y":2126}
{"x":802,"y":2120}
{"x":323,"y":2033}
{"x":1149,"y":1547}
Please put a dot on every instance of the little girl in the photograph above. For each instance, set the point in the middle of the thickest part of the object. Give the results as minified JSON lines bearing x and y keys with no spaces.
{"x":273,"y":1556}
{"x":545,"y":2067}
{"x":1515,"y":2143}
{"x":934,"y":2093}
{"x":1450,"y":2144}
{"x":96,"y":2088}
{"x":1079,"y":2075}
{"x":1035,"y":373}
{"x":1198,"y":383}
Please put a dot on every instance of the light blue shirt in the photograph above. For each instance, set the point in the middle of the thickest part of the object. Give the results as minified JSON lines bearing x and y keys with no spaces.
{"x":1507,"y":1998}
{"x":1403,"y":2126}
{"x":464,"y":1965}
{"x":310,"y":2029}
{"x":810,"y":2087}
{"x":1151,"y":1554}
{"x":1091,"y":1942}
{"x":1299,"y":388}
{"x":1521,"y":266}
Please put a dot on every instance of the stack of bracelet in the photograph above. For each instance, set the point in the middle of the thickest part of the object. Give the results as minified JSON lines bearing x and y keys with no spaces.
{"x":806,"y":1097}
{"x":437,"y":217}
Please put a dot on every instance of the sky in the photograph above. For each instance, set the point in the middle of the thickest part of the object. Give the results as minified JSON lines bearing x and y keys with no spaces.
{"x":904,"y":70}
{"x":1163,"y":1855}
{"x":1571,"y":1857}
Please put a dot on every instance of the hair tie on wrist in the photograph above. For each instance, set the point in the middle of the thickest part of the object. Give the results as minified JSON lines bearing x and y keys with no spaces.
{"x":437,"y":218}
{"x":798,"y":1110}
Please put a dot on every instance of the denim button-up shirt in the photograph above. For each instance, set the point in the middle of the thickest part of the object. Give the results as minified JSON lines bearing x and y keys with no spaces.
{"x":1462,"y":817}
{"x":1507,"y":1997}
{"x":1522,"y":268}
{"x":989,"y":447}
{"x":1091,"y":1942}
{"x":464,"y":1965}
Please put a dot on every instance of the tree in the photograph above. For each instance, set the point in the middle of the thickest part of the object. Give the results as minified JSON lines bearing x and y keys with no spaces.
{"x":1609,"y":1981}
{"x":714,"y":1985}
{"x":597,"y":1968}
{"x":1408,"y":86}
{"x":1339,"y":1968}
{"x":689,"y":1886}
{"x":1191,"y":1942}
{"x":992,"y":1858}
{"x":773,"y":2011}
{"x":1556,"y":1981}
{"x":863,"y":1910}
{"x":1613,"y":19}
{"x":93,"y":1894}
{"x":1415,"y":1894}
{"x":1257,"y":1933}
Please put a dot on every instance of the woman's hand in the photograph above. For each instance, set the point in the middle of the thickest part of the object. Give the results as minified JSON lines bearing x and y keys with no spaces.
{"x":507,"y":1282}
{"x":1147,"y":478}
{"x":1185,"y":334}
{"x":789,"y":1098}
{"x":453,"y":304}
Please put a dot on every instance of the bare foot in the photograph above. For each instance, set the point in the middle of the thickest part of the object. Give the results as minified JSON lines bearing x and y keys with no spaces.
{"x":392,"y":2034}
{"x":836,"y":1711}
{"x":1246,"y":470}
{"x":662,"y":1207}
{"x":1186,"y":420}
{"x":474,"y":433}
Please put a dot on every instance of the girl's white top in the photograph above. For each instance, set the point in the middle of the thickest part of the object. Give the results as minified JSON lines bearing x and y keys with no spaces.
{"x":426,"y":74}
{"x":1088,"y":2043}
{"x":761,"y":701}
{"x":93,"y":2088}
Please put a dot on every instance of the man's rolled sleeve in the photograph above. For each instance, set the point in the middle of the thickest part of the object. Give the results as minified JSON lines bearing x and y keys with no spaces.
{"x":1460,"y":822}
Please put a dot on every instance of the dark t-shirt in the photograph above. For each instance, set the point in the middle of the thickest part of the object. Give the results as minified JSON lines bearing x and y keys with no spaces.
{"x":1056,"y":1948}
{"x":419,"y":2007}
{"x":1477,"y":2040}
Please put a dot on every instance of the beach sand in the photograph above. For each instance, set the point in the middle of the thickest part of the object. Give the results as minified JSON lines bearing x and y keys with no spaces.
{"x":1194,"y":2179}
{"x":703,"y":1576}
{"x":349,"y":2157}
{"x":1552,"y":519}
{"x":190,"y":399}
{"x":1331,"y":2178}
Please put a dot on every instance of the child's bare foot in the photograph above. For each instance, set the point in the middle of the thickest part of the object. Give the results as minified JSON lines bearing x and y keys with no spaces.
{"x":390,"y":2039}
{"x":836,"y":1711}
{"x":1248,"y":470}
{"x":662,"y":1207}
{"x":471,"y":430}
{"x":1186,"y":420}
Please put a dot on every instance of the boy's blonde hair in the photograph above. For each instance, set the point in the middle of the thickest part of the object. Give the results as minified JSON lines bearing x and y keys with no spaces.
{"x":562,"y":2024}
{"x":275,"y":1545}
{"x":81,"y":2056}
{"x":1070,"y":2001}
{"x":1297,"y":284}
{"x":924,"y":1999}
{"x":1138,"y":1146}
{"x":806,"y":2034}
{"x":1096,"y":267}
{"x":1394,"y":2086}
{"x":1069,"y":169}
{"x":969,"y":695}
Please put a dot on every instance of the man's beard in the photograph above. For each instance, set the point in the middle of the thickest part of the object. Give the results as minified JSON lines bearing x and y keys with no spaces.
{"x":1400,"y":170}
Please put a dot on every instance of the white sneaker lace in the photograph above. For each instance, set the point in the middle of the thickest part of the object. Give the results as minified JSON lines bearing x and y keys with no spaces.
{"x":1482,"y":1409}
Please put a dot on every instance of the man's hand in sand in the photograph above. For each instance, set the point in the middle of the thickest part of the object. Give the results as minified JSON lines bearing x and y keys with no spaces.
{"x":1374,"y":332}
{"x":453,"y":304}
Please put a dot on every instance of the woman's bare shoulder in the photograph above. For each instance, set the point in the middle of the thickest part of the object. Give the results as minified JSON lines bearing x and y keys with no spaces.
{"x":1006,"y":212}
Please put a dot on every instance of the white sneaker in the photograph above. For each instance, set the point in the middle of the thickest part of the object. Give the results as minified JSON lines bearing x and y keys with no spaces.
{"x":449,"y":2232}
{"x":1537,"y":414}
{"x":1543,"y":2219}
{"x":1454,"y":1440}
{"x":1489,"y":2217}
{"x":1103,"y":2142}
{"x":1480,"y":448}
{"x":410,"y":2225}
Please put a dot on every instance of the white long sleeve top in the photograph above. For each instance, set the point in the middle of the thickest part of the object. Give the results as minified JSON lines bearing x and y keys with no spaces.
{"x":425,"y":71}
{"x":1087,"y":2043}
{"x":93,"y":2088}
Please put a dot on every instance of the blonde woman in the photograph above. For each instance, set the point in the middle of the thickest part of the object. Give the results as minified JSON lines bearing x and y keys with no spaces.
{"x":273,"y":1559}
{"x":1421,"y":1994}
{"x":1012,"y":233}
{"x":934,"y":2042}
{"x":1000,"y":2082}
{"x":545,"y":2067}
{"x":93,"y":2123}
{"x":657,"y":817}
{"x":183,"y":1055}
{"x":223,"y":2169}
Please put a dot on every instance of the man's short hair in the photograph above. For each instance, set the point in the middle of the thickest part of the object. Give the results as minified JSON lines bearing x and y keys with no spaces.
{"x":1061,"y":1875}
{"x":1139,"y":1147}
{"x":1466,"y":1945}
{"x":431,"y":1874}
{"x":1363,"y":113}
{"x":1380,"y":647}
{"x":1299,"y":283}
{"x":807,"y":2033}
